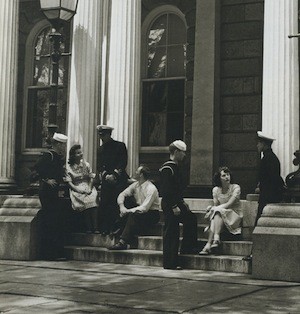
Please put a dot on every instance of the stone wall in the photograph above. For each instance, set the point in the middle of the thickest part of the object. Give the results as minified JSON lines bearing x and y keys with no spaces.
{"x":241,"y":88}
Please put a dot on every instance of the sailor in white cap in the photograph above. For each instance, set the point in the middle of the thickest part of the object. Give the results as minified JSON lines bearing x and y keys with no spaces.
{"x":175,"y":209}
{"x":270,"y":184}
{"x":50,"y":168}
{"x":111,"y":166}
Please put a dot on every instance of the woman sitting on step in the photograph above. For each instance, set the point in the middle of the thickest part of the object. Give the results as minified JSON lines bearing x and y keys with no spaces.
{"x":83,"y":194}
{"x":225,"y":210}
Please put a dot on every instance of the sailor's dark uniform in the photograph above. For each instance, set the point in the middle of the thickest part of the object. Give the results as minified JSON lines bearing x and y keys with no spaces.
{"x":171,"y":189}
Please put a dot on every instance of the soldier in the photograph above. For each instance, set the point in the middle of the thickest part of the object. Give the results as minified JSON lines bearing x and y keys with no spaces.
{"x":50,"y":168}
{"x":270,"y":186}
{"x":111,"y":165}
{"x":176,"y":210}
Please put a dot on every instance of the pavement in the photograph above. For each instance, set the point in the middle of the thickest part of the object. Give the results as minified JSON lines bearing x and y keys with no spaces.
{"x":86,"y":287}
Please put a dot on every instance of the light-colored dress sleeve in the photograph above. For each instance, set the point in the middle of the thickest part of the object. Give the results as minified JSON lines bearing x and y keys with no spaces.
{"x":89,"y":170}
{"x":236,"y":192}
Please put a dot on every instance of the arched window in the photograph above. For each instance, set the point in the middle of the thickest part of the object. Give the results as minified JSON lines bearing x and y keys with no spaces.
{"x":37,"y":85}
{"x":163,"y":80}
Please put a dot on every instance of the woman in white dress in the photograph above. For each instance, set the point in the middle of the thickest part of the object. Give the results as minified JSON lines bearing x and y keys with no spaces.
{"x":225,"y":212}
{"x":83,"y":194}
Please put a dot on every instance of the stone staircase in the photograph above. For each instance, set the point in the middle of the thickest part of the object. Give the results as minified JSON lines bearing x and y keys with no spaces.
{"x":147,"y":250}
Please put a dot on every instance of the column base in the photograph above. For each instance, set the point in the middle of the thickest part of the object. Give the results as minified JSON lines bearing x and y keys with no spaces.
{"x":7,"y":185}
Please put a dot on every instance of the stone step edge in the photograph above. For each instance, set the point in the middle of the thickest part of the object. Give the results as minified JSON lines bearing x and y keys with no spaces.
{"x":151,"y":252}
{"x":154,"y":237}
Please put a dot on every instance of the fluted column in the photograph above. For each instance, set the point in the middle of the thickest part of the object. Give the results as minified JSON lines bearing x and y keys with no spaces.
{"x":280,"y":108}
{"x":122,"y":111}
{"x":9,"y":21}
{"x":89,"y":38}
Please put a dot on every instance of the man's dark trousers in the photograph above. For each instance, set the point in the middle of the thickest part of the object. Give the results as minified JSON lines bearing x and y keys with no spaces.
{"x":171,"y":234}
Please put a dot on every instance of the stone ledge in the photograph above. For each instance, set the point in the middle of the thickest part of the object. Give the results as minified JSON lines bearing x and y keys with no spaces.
{"x":20,"y":228}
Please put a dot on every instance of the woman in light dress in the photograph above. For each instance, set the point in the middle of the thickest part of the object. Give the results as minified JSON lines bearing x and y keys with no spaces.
{"x":84,"y":196}
{"x":225,"y":212}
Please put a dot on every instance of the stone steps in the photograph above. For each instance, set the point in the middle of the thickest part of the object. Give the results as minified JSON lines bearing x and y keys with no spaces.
{"x":155,"y":258}
{"x":148,"y":247}
{"x":155,"y":243}
{"x":237,"y":248}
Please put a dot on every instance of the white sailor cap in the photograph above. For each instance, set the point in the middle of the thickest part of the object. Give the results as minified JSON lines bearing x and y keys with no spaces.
{"x":102,"y":129}
{"x":180,"y":145}
{"x":59,"y":137}
{"x":265,"y":136}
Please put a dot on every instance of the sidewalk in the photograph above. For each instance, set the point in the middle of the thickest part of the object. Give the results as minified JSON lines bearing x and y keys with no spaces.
{"x":85,"y":287}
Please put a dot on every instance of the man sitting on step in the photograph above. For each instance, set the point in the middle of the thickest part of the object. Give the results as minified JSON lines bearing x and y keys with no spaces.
{"x":143,"y":213}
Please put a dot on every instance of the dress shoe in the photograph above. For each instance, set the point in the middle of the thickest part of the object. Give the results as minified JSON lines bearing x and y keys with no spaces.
{"x":215,"y":244}
{"x":119,"y":246}
{"x":205,"y":251}
{"x":247,"y":258}
{"x":174,"y":268}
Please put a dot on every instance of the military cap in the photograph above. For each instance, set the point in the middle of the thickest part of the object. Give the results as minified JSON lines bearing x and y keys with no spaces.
{"x":59,"y":137}
{"x":265,"y":137}
{"x":102,"y":129}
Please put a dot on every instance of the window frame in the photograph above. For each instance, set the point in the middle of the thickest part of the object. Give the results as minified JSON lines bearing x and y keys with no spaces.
{"x":28,"y":83}
{"x":153,"y":15}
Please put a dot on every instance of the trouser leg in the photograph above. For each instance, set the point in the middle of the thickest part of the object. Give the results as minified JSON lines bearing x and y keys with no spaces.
{"x":189,"y":234}
{"x":137,"y":222}
{"x":170,"y":241}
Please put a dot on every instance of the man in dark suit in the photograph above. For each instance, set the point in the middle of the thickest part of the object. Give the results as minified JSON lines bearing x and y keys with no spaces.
{"x":176,"y":210}
{"x":111,"y":166}
{"x":270,"y":186}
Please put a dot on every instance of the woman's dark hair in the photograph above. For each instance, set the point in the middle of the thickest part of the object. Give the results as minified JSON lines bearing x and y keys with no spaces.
{"x":145,"y":170}
{"x":72,"y":151}
{"x":217,"y":176}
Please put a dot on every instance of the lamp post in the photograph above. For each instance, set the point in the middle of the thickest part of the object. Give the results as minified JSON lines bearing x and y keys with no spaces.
{"x":56,"y":11}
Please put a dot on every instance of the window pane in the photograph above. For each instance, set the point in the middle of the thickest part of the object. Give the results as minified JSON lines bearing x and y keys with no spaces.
{"x":175,"y":126}
{"x":154,"y":132}
{"x":176,"y":95}
{"x":38,"y":114}
{"x":41,"y":72}
{"x":163,"y":112}
{"x":154,"y":96}
{"x":42,"y":46}
{"x":157,"y":32}
{"x":37,"y":117}
{"x":176,"y":61}
{"x":157,"y":62}
{"x":176,"y":30}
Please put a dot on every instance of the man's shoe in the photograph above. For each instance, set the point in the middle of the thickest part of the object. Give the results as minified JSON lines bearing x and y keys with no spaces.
{"x":174,"y":268}
{"x":119,"y":246}
{"x":247,"y":258}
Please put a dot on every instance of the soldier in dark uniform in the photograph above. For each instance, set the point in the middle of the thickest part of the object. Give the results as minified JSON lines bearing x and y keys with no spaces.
{"x":176,"y":210}
{"x":50,"y":168}
{"x":271,"y":185}
{"x":111,"y":165}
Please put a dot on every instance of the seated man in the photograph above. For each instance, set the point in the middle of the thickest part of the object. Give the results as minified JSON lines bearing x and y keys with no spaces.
{"x":145,"y":211}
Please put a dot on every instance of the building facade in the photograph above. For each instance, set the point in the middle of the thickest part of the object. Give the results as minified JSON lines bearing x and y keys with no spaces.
{"x":210,"y":72}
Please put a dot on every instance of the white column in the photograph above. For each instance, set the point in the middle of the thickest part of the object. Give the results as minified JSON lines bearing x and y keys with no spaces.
{"x":122,"y":111}
{"x":89,"y":37}
{"x":280,"y":108}
{"x":9,"y":27}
